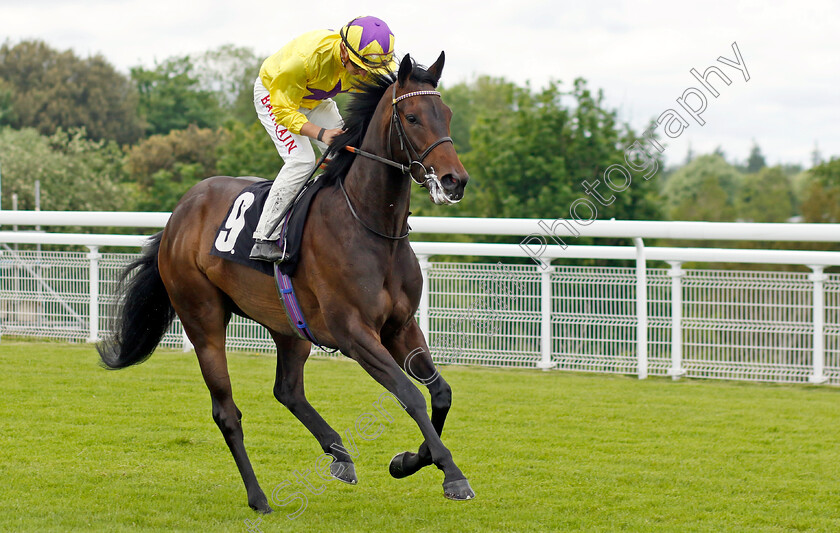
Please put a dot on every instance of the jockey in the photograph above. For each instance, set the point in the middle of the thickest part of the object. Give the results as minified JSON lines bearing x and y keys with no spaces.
{"x":293,"y":98}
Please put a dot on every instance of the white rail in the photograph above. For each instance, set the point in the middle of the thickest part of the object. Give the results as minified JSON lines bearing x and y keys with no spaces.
{"x":483,"y":226}
{"x":544,"y":244}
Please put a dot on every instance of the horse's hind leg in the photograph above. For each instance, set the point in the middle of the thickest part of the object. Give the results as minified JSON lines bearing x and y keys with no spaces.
{"x":410,"y":351}
{"x":292,"y":353}
{"x":201,"y":308}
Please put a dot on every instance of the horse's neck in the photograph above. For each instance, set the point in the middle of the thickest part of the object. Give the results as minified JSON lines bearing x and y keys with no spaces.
{"x":380,"y":193}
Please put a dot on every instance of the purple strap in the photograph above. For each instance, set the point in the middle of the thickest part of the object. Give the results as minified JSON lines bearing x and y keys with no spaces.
{"x":293,"y":311}
{"x":287,"y":294}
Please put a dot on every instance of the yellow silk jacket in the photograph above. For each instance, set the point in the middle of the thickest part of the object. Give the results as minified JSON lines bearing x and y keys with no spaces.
{"x":302,"y":74}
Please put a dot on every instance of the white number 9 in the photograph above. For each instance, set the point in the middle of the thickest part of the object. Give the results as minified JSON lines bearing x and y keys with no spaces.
{"x":226,"y":240}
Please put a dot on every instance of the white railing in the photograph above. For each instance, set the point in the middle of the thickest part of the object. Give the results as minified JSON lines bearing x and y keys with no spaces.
{"x":772,"y":326}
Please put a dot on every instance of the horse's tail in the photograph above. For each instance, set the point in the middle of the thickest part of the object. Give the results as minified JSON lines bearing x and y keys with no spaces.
{"x":145,"y":312}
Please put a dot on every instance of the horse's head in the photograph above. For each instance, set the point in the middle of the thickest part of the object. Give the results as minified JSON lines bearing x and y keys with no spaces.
{"x":420,"y":130}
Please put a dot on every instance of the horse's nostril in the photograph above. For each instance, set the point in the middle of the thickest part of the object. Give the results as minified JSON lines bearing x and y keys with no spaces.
{"x":449,"y":182}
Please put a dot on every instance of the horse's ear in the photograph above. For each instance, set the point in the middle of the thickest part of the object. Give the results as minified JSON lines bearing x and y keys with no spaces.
{"x":437,"y":68}
{"x":406,"y":65}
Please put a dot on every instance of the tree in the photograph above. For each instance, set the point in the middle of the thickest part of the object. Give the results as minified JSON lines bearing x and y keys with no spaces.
{"x":229,"y":73}
{"x":822,"y":196}
{"x":708,"y":202}
{"x":514,"y":175}
{"x":7,"y":108}
{"x":469,"y":101}
{"x":164,"y":167}
{"x":530,"y":156}
{"x":248,"y":151}
{"x":171,"y":97}
{"x":765,"y":196}
{"x":76,"y":173}
{"x":705,"y":189}
{"x":756,"y":160}
{"x":799,"y":186}
{"x":49,"y":90}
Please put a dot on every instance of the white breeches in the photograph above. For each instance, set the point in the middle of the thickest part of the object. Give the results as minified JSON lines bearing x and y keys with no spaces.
{"x":297,"y":153}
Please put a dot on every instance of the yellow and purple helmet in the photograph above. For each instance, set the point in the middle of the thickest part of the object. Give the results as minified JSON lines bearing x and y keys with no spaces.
{"x":370,"y":44}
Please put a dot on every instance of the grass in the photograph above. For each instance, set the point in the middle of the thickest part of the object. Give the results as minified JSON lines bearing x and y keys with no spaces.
{"x":82,"y":448}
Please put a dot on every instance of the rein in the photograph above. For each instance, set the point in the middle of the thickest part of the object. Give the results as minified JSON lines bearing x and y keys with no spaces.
{"x":356,"y":216}
{"x":430,"y":179}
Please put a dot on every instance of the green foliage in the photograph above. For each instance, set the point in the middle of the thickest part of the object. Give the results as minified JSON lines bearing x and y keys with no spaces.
{"x":171,"y":97}
{"x":511,"y":155}
{"x":822,"y":193}
{"x":163,"y":167}
{"x":166,"y":187}
{"x":766,"y":196}
{"x":248,"y":151}
{"x":530,"y":153}
{"x":799,"y":186}
{"x":7,"y":107}
{"x":76,"y":173}
{"x":47,"y":90}
{"x":705,"y":189}
{"x":469,"y":101}
{"x":229,"y":73}
{"x":756,"y":160}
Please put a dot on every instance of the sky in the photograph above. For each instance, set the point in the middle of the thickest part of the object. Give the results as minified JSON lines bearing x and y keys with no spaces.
{"x":639,"y":53}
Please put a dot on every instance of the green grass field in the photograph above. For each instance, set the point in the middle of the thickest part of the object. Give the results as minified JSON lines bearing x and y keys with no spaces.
{"x":82,"y":448}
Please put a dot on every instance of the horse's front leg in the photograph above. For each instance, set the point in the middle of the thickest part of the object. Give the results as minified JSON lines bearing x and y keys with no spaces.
{"x":363,"y":344}
{"x":410,"y":351}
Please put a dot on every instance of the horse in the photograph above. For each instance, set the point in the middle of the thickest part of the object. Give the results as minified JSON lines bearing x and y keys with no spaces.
{"x":358,"y":281}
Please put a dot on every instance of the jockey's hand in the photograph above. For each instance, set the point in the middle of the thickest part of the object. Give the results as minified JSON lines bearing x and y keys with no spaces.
{"x":329,"y":135}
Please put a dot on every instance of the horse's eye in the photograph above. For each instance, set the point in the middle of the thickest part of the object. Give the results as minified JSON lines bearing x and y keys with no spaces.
{"x":411,"y":119}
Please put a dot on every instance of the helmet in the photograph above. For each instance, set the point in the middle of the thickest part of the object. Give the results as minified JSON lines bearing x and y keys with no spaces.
{"x":370,"y":44}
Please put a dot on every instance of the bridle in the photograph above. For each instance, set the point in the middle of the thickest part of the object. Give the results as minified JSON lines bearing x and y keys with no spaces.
{"x":429,"y":180}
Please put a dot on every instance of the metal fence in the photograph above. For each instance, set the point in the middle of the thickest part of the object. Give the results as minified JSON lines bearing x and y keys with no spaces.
{"x":746,"y":325}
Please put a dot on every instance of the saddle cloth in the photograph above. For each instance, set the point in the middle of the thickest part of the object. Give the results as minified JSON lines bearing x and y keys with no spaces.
{"x":234,"y":238}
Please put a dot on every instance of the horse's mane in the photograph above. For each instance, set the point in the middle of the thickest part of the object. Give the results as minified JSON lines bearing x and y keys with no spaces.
{"x":358,"y":114}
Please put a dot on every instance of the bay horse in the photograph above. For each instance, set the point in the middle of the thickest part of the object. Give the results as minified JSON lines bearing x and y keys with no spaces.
{"x":358,"y":281}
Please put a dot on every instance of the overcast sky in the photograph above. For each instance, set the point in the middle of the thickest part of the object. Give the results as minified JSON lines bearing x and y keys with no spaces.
{"x":638,"y":52}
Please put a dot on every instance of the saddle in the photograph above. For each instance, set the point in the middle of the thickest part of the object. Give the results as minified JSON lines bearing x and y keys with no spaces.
{"x":234,"y":238}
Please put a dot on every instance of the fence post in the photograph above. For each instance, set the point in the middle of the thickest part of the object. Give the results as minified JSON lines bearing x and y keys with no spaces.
{"x":93,"y":311}
{"x":819,"y":277}
{"x":641,"y":307}
{"x":423,"y":319}
{"x":545,"y":311}
{"x":676,"y":274}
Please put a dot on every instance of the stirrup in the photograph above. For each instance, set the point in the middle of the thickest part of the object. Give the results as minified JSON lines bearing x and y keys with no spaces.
{"x":267,"y":251}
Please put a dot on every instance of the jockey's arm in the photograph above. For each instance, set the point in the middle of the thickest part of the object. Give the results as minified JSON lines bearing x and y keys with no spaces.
{"x":312,"y":131}
{"x":287,"y":87}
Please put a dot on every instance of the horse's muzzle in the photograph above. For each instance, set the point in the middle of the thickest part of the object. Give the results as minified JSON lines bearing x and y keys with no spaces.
{"x":447,"y":190}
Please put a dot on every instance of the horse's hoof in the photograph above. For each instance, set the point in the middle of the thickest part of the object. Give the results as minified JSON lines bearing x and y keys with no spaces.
{"x":458,"y":490}
{"x":344,"y":472}
{"x":397,"y":466}
{"x":261,"y":506}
